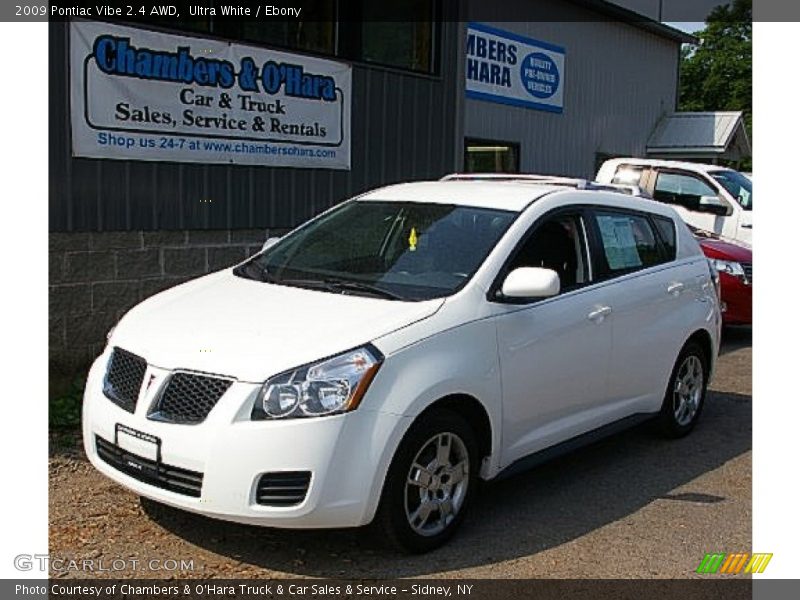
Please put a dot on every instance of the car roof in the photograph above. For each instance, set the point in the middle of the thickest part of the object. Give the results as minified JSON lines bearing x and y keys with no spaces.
{"x":510,"y":195}
{"x":676,"y":164}
{"x":500,"y":195}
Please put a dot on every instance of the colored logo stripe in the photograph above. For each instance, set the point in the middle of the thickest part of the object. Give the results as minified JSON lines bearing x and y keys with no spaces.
{"x":711,"y":563}
{"x":758,"y":563}
{"x":733,"y":564}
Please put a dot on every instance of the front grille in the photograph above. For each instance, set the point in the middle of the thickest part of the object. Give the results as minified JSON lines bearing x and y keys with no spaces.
{"x":166,"y":477}
{"x":189,"y":397}
{"x":124,"y":378}
{"x":748,"y":271}
{"x":282,"y":489}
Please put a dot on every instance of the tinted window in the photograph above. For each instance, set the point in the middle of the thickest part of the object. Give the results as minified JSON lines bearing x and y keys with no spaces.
{"x":681,"y":189}
{"x":629,"y":242}
{"x":739,"y":186}
{"x":409,"y":250}
{"x":556,"y":244}
{"x":666,"y":231}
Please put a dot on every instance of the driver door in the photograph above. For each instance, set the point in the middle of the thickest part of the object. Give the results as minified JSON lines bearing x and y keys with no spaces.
{"x":554,"y":352}
{"x":683,"y":191}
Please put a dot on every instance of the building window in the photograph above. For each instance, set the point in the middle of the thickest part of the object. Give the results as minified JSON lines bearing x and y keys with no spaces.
{"x":316,"y":32}
{"x":405,"y":41}
{"x":487,"y":156}
{"x":400,"y":35}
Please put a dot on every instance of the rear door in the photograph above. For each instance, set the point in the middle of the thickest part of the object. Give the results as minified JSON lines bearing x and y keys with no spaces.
{"x":647,"y":292}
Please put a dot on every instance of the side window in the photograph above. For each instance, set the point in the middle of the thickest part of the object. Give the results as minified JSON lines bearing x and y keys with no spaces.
{"x":628,"y":175}
{"x":629,"y":242}
{"x":666,"y":231}
{"x":557,"y":243}
{"x":681,"y":189}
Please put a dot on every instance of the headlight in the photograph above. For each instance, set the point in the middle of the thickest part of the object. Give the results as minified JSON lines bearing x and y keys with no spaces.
{"x":726,"y":266}
{"x":331,"y":386}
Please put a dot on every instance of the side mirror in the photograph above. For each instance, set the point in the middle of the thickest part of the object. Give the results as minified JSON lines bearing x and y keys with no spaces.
{"x":270,"y":243}
{"x":713,"y":205}
{"x":531,"y":282}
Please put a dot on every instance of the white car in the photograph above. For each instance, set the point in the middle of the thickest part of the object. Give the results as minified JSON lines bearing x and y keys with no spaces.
{"x":709,"y":197}
{"x":378,"y":360}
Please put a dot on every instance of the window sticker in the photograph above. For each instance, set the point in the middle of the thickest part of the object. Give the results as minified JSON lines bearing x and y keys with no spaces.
{"x":619,"y":242}
{"x":744,"y":197}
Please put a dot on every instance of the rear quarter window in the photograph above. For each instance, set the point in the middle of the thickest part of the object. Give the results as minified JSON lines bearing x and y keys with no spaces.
{"x":666,"y":232}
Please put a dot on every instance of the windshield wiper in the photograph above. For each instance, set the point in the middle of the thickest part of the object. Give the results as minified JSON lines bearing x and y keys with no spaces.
{"x":253,"y":270}
{"x":359,"y":286}
{"x":342,"y":285}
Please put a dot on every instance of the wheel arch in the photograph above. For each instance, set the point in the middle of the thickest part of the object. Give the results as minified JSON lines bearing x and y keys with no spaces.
{"x":703,"y":339}
{"x":468,"y":407}
{"x":473,"y":412}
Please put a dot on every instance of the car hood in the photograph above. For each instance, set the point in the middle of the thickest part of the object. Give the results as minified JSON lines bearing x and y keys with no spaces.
{"x":251,"y":330}
{"x":719,"y":248}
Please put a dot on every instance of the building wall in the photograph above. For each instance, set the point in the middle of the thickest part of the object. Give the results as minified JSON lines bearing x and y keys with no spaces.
{"x":96,"y":277}
{"x":121,"y":231}
{"x":619,"y":81}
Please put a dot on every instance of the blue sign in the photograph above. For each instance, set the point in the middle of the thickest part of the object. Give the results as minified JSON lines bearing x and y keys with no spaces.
{"x":508,"y":68}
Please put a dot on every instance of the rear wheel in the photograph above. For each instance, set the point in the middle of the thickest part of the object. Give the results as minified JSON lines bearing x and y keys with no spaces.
{"x":686,"y":392}
{"x":430,"y":483}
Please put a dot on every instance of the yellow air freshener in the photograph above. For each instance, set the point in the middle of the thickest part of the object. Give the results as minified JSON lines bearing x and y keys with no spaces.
{"x":412,"y":239}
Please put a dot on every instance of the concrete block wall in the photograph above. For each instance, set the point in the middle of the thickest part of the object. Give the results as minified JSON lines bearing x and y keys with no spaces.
{"x":96,"y":277}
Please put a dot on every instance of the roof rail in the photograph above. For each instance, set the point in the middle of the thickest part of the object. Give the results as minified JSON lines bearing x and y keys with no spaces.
{"x":574,"y":182}
{"x":523,"y":177}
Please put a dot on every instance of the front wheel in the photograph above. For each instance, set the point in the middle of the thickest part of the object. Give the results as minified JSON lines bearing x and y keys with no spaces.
{"x":686,"y":392}
{"x":430,"y":483}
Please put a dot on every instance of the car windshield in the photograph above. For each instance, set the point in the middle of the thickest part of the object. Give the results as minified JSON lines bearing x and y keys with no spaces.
{"x":393,"y":250}
{"x":739,"y":186}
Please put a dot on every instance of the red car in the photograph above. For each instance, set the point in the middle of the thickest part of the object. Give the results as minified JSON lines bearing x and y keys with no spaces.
{"x":734,"y":263}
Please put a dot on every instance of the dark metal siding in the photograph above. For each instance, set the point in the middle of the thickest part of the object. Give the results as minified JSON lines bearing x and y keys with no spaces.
{"x":404,"y":127}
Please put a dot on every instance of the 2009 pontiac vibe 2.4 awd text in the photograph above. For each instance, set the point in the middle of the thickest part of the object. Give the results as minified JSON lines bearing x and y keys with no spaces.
{"x":375,"y":362}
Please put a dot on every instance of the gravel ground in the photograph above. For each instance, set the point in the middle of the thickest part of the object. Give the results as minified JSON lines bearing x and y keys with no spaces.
{"x":633,"y":505}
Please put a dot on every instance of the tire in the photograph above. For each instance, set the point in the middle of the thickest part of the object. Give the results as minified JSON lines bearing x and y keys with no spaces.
{"x":686,"y":392}
{"x":442,"y":486}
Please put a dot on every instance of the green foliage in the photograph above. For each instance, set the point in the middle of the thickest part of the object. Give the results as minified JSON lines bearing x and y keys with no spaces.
{"x":718,"y":74}
{"x":65,"y":410}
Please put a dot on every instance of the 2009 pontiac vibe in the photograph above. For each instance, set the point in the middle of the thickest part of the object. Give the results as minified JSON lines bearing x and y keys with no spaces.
{"x":378,"y":360}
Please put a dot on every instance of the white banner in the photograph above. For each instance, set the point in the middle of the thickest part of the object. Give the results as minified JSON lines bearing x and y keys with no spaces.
{"x":512,"y":69}
{"x":145,"y":95}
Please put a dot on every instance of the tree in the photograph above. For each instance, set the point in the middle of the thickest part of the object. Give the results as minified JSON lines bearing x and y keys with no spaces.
{"x":718,"y":73}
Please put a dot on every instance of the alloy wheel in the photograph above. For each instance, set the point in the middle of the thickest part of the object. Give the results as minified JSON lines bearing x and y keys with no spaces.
{"x":436,"y":486}
{"x":688,"y":390}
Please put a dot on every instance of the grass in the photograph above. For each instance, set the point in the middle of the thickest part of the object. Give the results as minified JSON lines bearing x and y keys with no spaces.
{"x":65,"y":409}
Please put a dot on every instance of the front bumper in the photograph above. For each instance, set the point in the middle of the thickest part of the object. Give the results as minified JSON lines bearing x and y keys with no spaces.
{"x":347,"y":456}
{"x":738,"y":298}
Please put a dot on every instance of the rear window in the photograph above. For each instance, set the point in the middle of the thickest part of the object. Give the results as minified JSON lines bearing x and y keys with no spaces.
{"x":629,"y":242}
{"x":628,"y":175}
{"x":666,"y":231}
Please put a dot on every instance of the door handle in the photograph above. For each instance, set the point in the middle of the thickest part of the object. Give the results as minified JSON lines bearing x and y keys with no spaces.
{"x":675,"y":288}
{"x":599,"y":313}
{"x":746,"y":225}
